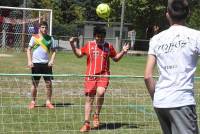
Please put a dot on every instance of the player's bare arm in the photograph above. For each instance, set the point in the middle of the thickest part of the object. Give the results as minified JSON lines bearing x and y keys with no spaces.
{"x":124,"y":50}
{"x":148,"y":75}
{"x":76,"y":50}
{"x":53,"y":55}
{"x":29,"y":57}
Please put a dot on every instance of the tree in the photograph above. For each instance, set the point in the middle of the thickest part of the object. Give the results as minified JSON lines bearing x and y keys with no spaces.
{"x":68,"y":15}
{"x":194,"y":20}
{"x":14,"y":3}
{"x":142,"y":13}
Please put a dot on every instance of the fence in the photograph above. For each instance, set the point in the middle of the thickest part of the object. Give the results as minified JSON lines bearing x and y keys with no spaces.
{"x":139,"y":45}
{"x":18,"y":24}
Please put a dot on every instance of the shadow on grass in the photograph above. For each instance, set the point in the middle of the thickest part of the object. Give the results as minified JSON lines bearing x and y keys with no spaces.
{"x":62,"y":104}
{"x":115,"y":126}
{"x":57,"y":105}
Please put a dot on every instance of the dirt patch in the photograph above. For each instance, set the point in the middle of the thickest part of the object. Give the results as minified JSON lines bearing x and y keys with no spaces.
{"x":6,"y":55}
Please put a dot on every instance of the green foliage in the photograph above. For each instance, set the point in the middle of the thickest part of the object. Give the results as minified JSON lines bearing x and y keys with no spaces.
{"x":13,"y":3}
{"x":194,"y":20}
{"x":68,"y":15}
{"x":79,"y":13}
{"x":64,"y":29}
{"x":141,"y":13}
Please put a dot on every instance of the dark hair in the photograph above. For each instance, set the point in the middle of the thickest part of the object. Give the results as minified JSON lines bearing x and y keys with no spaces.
{"x":99,"y":30}
{"x":43,"y":23}
{"x":178,"y":9}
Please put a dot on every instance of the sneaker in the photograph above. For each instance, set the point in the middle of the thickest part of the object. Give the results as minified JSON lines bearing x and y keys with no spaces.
{"x":49,"y":106}
{"x":96,"y":121}
{"x":31,"y":105}
{"x":85,"y":127}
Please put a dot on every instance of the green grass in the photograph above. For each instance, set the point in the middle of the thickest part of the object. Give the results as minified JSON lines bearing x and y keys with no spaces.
{"x":127,"y":108}
{"x":67,"y":63}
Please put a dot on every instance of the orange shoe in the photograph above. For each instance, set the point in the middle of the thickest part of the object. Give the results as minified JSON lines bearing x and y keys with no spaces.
{"x":49,"y":106}
{"x":31,"y":105}
{"x":85,"y":127}
{"x":96,"y":121}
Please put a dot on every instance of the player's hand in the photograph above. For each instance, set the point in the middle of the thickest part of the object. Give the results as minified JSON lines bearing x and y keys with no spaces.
{"x":50,"y":64}
{"x":30,"y":64}
{"x":72,"y":40}
{"x":126,"y":47}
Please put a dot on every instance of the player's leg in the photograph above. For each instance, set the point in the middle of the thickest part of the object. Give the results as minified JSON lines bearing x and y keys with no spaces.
{"x":99,"y":99}
{"x":49,"y":94}
{"x":48,"y":83}
{"x":164,"y":119}
{"x":33,"y":94}
{"x":90,"y":91}
{"x":88,"y":109}
{"x":34,"y":89}
{"x":88,"y":106}
{"x":184,"y":120}
{"x":99,"y":102}
{"x":35,"y":82}
{"x":49,"y":90}
{"x":102,"y":84}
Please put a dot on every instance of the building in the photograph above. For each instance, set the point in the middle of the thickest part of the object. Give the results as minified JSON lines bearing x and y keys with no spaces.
{"x":112,"y":31}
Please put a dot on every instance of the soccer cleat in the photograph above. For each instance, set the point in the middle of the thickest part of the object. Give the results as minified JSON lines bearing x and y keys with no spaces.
{"x":85,"y":127}
{"x":49,"y":106}
{"x":96,"y":121}
{"x":31,"y":105}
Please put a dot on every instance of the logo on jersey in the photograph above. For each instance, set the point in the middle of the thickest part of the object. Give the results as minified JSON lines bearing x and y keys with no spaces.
{"x":172,"y":46}
{"x":106,"y":49}
{"x":95,"y":53}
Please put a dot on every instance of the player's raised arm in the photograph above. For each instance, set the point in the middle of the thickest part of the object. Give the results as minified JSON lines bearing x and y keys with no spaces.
{"x":76,"y":50}
{"x":124,"y":50}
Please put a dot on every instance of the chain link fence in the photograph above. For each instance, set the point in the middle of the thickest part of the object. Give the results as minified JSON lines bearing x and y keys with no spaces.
{"x":18,"y":24}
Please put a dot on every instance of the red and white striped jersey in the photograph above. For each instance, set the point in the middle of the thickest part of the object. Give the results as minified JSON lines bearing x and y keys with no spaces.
{"x":98,"y":57}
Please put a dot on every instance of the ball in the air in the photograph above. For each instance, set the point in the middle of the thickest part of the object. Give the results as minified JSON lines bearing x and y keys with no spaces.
{"x":103,"y":10}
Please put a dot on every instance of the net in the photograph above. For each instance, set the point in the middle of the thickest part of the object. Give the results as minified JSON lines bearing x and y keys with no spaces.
{"x":18,"y":24}
{"x":127,"y":107}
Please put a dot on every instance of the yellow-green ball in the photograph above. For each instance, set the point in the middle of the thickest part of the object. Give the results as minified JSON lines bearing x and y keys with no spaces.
{"x":103,"y":10}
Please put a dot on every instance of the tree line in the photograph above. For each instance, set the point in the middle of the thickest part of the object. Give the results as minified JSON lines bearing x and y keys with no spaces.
{"x":69,"y":15}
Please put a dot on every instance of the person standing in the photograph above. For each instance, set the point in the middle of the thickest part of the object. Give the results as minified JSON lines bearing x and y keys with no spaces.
{"x":40,"y":46}
{"x":98,"y":53}
{"x":175,"y":51}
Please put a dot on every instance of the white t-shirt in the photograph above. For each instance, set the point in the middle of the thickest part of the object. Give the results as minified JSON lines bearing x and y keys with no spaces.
{"x":41,"y":48}
{"x":176,"y":50}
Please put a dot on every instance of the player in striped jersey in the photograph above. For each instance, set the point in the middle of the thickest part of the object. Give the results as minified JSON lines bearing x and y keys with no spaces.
{"x":98,"y":54}
{"x":38,"y":52}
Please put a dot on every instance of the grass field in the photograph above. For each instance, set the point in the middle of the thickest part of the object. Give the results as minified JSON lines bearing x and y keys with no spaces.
{"x":127,"y":108}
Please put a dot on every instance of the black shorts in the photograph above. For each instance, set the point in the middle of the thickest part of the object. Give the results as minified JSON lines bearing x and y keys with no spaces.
{"x":42,"y":69}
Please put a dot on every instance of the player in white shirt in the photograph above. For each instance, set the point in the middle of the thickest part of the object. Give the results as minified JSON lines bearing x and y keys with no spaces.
{"x":175,"y":51}
{"x":41,"y":54}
